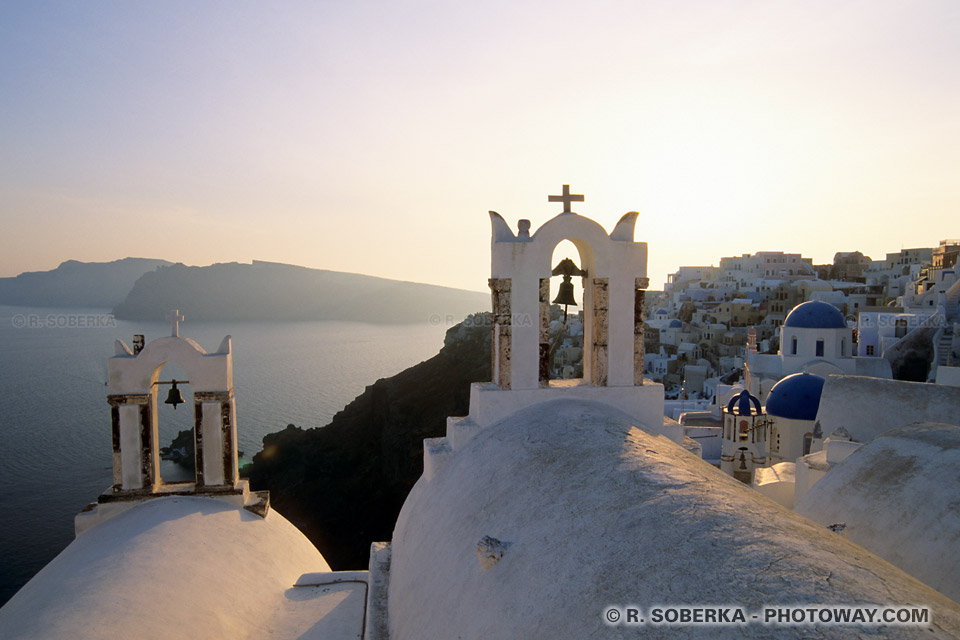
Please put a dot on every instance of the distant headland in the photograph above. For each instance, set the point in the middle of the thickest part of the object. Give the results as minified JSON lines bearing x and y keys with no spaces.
{"x":272,"y":291}
{"x":77,"y":284}
{"x":146,"y":289}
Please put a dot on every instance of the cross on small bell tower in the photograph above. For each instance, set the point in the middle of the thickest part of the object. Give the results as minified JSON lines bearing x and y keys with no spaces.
{"x":175,"y":317}
{"x":566,"y":198}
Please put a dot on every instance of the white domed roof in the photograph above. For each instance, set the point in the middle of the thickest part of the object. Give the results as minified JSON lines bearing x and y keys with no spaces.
{"x":541,"y":522}
{"x":897,"y":496}
{"x":183,"y":567}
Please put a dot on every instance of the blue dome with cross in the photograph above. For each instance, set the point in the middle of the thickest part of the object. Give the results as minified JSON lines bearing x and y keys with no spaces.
{"x":815,"y":315}
{"x":796,"y":397}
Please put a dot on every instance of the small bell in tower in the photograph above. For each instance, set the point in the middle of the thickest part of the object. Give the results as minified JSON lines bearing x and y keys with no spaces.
{"x":174,"y":397}
{"x":565,"y":295}
{"x":567,"y":269}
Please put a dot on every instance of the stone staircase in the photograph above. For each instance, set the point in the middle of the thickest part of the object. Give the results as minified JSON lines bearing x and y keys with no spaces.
{"x":942,"y":349}
{"x":946,"y":351}
{"x":949,"y":353}
{"x":953,"y":301}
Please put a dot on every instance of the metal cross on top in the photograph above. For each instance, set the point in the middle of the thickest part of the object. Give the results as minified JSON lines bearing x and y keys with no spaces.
{"x":566,"y":198}
{"x":175,"y":318}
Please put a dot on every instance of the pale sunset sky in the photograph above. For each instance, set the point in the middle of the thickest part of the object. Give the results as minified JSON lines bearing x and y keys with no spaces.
{"x":373,"y":137}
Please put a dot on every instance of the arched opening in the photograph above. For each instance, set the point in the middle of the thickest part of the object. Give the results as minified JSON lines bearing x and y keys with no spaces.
{"x":742,"y":465}
{"x":566,"y":324}
{"x":175,"y":438}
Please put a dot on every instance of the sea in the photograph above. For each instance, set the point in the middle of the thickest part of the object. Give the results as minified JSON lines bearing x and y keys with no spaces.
{"x":55,"y":449}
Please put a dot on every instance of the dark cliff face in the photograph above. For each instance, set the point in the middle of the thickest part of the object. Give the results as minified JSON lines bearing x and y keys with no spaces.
{"x":343,"y":484}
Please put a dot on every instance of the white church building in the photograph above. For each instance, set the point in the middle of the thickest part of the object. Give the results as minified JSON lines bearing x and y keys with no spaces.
{"x":553,"y":510}
{"x":814,"y":339}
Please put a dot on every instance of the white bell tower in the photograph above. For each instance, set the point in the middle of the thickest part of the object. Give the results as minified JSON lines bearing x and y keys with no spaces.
{"x":614,"y":283}
{"x":133,"y":384}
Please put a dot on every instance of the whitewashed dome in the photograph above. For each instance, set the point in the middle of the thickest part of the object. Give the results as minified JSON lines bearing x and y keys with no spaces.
{"x":897,"y":496}
{"x":178,"y":567}
{"x":575,"y":510}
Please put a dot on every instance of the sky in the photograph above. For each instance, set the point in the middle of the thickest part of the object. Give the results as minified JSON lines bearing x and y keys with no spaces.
{"x":374,"y":136}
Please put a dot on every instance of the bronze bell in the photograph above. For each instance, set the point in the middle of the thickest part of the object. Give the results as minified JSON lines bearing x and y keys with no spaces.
{"x":565,"y":293}
{"x":566,"y":268}
{"x":174,"y":397}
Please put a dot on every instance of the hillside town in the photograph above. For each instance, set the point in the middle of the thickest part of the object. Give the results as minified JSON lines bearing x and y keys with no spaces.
{"x":707,"y":323}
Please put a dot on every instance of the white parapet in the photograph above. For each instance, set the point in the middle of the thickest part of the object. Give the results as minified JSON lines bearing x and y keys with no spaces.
{"x":809,"y":469}
{"x":777,"y":482}
{"x":111,"y":504}
{"x":379,"y":581}
{"x":435,"y":453}
{"x":459,"y":431}
{"x":490,"y":404}
{"x":838,"y":450}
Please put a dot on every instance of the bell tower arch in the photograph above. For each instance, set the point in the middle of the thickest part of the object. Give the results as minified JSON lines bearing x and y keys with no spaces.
{"x":614,"y":276}
{"x":615,"y":279}
{"x":133,"y":396}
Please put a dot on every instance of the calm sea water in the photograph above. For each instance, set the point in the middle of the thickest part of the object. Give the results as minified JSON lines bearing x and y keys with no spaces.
{"x":55,"y":451}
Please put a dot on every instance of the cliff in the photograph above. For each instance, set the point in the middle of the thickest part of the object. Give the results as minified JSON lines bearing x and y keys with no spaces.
{"x":76,"y":284}
{"x":270,"y":291}
{"x":343,"y":484}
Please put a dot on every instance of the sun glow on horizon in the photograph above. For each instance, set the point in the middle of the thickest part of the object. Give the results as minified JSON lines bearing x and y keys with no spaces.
{"x":374,"y":141}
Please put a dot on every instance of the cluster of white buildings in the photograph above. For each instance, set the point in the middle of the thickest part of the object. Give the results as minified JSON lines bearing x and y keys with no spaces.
{"x":554,"y":506}
{"x":699,"y":327}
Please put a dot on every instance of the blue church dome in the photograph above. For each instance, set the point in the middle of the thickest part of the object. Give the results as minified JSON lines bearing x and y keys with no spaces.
{"x":740,"y":404}
{"x":676,"y":324}
{"x":796,"y":397}
{"x":815,"y":315}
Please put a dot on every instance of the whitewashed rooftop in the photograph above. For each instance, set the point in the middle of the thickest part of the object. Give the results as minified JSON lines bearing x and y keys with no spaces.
{"x":187,"y":567}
